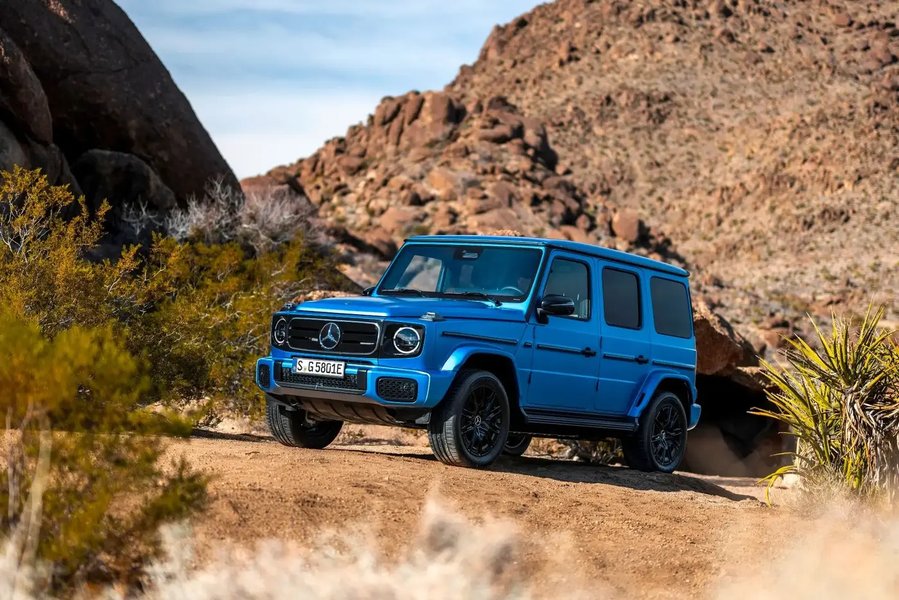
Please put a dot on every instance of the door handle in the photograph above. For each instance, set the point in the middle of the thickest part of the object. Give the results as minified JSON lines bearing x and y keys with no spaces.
{"x":588,"y":351}
{"x":641,"y":360}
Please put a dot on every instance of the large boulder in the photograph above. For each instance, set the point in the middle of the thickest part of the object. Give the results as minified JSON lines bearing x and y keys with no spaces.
{"x":11,"y":150}
{"x":22,"y":99}
{"x":105,"y":88}
{"x":123,"y":178}
{"x":719,"y":348}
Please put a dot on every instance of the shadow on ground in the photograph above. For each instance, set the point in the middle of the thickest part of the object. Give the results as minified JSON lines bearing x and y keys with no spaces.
{"x":578,"y":472}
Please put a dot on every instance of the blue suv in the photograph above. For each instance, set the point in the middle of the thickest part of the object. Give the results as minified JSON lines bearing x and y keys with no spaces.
{"x":487,"y":341}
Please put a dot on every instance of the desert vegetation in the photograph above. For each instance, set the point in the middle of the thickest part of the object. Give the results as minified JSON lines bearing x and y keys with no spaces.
{"x":839,"y":395}
{"x":101,"y":357}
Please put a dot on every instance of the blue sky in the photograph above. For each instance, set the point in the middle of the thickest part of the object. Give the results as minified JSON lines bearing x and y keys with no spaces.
{"x":273,"y":79}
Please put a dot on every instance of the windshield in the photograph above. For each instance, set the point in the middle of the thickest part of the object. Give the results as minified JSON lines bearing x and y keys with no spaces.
{"x":444,"y":271}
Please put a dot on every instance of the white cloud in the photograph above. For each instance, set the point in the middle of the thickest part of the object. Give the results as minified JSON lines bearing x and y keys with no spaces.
{"x":258,"y":131}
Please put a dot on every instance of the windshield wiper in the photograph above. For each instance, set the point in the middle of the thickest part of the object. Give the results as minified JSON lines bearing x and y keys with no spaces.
{"x":404,"y":292}
{"x":475,"y":295}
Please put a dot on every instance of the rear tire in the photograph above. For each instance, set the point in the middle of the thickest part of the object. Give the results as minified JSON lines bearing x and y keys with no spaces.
{"x":516,"y":444}
{"x":660,"y":441}
{"x":470,"y":427}
{"x":292,"y":428}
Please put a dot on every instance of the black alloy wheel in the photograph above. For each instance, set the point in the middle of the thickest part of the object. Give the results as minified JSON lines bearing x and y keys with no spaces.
{"x":481,"y":422}
{"x":660,"y":442}
{"x":470,"y":427}
{"x":667,"y":438}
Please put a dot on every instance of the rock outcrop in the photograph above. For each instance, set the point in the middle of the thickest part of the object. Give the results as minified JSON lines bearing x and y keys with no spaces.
{"x":79,"y":84}
{"x":426,"y":163}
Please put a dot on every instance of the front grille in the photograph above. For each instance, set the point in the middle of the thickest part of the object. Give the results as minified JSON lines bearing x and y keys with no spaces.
{"x":356,"y":337}
{"x":264,"y":375}
{"x":398,"y":390}
{"x":351,"y":383}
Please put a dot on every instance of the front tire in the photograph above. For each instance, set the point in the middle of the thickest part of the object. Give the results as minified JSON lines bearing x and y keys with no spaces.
{"x":292,"y":427}
{"x":470,"y":427}
{"x":660,"y":441}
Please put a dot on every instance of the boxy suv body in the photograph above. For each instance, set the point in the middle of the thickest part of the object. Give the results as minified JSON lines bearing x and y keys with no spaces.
{"x":488,"y":341}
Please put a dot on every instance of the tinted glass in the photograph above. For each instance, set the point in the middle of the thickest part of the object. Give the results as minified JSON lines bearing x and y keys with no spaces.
{"x":621,"y":299}
{"x":443,"y":270}
{"x":570,"y":278}
{"x":671,"y":308}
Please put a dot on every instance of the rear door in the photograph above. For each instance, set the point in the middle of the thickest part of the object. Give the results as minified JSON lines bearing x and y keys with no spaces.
{"x":626,"y":348}
{"x":673,"y":345}
{"x":566,"y":349}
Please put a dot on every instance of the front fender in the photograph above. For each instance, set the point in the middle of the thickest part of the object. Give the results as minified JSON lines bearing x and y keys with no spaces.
{"x":460,"y":355}
{"x":651,"y":384}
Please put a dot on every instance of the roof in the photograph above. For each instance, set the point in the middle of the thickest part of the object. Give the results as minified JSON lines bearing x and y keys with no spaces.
{"x":569,"y":246}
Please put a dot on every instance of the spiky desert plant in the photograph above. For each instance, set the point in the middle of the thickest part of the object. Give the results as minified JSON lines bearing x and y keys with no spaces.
{"x":840,"y":399}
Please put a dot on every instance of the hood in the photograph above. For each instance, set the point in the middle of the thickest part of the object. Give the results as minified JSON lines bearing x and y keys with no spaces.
{"x":412,"y":308}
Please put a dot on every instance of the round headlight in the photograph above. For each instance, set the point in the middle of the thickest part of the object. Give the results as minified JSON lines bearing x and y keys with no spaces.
{"x":279,"y":333}
{"x":406,"y":340}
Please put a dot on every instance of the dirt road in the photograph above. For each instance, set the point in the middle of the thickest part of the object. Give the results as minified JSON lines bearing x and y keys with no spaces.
{"x":630,"y":533}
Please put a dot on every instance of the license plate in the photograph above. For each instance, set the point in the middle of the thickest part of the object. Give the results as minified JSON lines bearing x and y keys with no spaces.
{"x":322,"y":368}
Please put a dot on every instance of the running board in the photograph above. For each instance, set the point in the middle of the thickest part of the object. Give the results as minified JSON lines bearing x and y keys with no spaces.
{"x":567,"y":419}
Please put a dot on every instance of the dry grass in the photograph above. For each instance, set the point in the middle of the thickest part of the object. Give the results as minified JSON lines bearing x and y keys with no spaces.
{"x":448,"y":557}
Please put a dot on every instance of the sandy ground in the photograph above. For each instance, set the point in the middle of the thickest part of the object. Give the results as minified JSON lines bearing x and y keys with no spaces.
{"x":632,"y":534}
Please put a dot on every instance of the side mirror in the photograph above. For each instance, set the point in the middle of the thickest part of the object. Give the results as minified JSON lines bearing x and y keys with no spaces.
{"x":368,"y":291}
{"x":555,"y":305}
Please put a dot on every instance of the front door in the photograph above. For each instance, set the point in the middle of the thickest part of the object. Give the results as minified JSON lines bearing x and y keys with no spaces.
{"x":626,"y":346}
{"x":566,"y":349}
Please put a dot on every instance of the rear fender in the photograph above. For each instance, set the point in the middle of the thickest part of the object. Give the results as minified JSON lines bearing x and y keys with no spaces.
{"x":652,"y":383}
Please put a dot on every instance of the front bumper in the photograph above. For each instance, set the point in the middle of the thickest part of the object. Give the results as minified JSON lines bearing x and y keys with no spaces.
{"x":362,"y":383}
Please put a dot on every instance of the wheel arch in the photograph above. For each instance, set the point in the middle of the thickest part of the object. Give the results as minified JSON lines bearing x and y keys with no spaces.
{"x":500,"y":364}
{"x":664,"y":381}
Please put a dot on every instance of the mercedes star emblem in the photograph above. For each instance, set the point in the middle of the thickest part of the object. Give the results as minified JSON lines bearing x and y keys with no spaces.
{"x":329,"y":336}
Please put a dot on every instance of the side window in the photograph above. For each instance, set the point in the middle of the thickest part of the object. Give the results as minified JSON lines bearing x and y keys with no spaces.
{"x":671,"y":308}
{"x":621,"y":298}
{"x":571,"y":279}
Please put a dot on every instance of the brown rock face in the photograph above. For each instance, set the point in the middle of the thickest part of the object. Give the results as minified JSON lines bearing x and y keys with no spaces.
{"x":719,"y":349}
{"x":627,"y":225}
{"x":426,"y":163}
{"x":104,"y":87}
{"x":758,"y":136}
{"x":22,"y":98}
{"x":105,"y":175}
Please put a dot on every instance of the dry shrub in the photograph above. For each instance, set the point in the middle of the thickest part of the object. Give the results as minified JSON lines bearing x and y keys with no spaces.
{"x":81,"y":490}
{"x":260,"y":219}
{"x":88,"y":344}
{"x":846,"y":551}
{"x":449,"y":557}
{"x":198,"y":311}
{"x":211,"y":313}
{"x":840,"y":399}
{"x":601,"y":452}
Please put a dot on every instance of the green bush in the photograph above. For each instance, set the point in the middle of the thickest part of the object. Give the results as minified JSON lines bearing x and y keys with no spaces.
{"x":840,"y":399}
{"x":82,"y":487}
{"x":90,"y":344}
{"x":212,"y":314}
{"x":198,"y":312}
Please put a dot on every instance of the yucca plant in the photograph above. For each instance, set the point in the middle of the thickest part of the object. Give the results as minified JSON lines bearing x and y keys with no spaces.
{"x":840,"y":399}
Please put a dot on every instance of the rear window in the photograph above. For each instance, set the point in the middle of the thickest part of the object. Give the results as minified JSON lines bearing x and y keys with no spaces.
{"x":621,"y":298}
{"x":671,"y":308}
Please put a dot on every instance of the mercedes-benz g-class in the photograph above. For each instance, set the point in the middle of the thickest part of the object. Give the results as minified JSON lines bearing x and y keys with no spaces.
{"x":487,"y":341}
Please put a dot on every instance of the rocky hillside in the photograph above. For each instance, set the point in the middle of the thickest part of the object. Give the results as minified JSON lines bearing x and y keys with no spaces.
{"x":761,"y":137}
{"x":85,"y":98}
{"x":429,"y":163}
{"x":758,"y":139}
